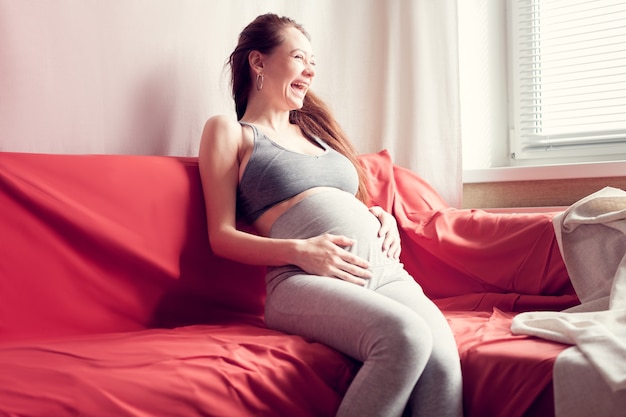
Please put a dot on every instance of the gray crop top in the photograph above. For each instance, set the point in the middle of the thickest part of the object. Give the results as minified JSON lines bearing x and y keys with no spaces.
{"x":274,"y":174}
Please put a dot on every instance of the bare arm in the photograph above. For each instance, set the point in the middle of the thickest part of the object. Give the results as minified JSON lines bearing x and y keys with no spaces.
{"x":220,"y":150}
{"x":222,"y":142}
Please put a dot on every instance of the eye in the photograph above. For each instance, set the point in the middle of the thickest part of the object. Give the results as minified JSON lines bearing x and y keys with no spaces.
{"x":303,"y":57}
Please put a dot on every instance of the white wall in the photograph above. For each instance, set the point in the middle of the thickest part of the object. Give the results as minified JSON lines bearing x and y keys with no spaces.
{"x":142,"y":76}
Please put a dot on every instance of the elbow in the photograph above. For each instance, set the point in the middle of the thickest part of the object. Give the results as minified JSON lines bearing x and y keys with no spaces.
{"x":215,"y":245}
{"x":218,"y":246}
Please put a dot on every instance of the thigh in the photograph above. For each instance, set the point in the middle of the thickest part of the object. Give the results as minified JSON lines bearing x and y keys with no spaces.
{"x":410,"y":294}
{"x":339,"y":314}
{"x":405,"y":291}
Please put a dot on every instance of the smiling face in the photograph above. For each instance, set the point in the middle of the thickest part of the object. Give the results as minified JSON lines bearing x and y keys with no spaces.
{"x":288,"y":71}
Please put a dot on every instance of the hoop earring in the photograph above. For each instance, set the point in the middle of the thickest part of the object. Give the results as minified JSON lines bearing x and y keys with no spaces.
{"x":259,"y":81}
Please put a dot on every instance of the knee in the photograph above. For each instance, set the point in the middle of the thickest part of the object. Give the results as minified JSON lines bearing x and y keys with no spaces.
{"x":445,"y":350}
{"x":406,"y":337}
{"x":444,"y":360}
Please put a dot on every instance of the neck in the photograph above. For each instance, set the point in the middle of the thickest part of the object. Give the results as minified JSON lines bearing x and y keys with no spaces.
{"x":278,"y":121}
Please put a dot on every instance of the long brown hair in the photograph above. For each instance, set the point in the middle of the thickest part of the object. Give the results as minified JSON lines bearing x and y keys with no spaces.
{"x":264,"y":34}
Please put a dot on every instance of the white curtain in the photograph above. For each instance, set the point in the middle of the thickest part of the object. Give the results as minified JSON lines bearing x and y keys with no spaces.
{"x":142,"y":76}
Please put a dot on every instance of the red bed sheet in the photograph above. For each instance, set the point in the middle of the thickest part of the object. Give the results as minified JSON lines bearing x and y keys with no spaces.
{"x":200,"y":370}
{"x":503,"y":374}
{"x":482,"y":268}
{"x":98,"y":249}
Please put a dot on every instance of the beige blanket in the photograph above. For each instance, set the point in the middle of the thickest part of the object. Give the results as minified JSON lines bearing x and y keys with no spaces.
{"x":589,"y":378}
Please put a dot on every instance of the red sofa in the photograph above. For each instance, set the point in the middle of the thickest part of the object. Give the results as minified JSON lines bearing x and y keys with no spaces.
{"x":112,"y":304}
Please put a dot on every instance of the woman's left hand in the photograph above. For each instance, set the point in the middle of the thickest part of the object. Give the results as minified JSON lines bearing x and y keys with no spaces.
{"x":388,"y":230}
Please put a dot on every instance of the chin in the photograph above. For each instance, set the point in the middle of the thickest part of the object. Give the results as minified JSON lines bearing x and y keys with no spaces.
{"x":296,"y":106}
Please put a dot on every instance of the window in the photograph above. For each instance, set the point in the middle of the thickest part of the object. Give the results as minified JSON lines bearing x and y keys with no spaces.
{"x":568,"y":79}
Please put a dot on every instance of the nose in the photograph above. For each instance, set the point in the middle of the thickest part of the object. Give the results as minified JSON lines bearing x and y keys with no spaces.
{"x":309,"y":70}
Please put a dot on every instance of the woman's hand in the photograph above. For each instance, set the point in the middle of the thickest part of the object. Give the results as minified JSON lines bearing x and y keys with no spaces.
{"x":388,"y":230}
{"x":326,"y":255}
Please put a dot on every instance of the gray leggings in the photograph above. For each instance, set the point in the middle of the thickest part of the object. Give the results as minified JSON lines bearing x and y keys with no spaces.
{"x":410,"y":359}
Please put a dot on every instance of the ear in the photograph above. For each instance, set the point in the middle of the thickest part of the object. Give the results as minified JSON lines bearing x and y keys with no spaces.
{"x":255,"y":59}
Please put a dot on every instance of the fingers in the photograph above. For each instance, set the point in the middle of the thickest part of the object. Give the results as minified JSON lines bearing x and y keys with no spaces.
{"x":352,"y":278}
{"x":378,"y":212}
{"x":384,"y":230}
{"x":327,"y":255}
{"x":346,"y":265}
{"x":339,"y":240}
{"x":389,"y":231}
{"x":391,"y":244}
{"x":354,"y":266}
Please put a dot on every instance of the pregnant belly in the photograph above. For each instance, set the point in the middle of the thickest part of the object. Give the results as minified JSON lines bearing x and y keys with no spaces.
{"x":332,"y":211}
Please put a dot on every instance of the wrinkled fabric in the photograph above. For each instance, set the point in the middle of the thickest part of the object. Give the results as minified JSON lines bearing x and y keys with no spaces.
{"x":503,"y":375}
{"x":201,"y":370}
{"x":112,"y":303}
{"x":592,"y":237}
{"x":102,"y":259}
{"x":482,"y":268}
{"x":476,"y":259}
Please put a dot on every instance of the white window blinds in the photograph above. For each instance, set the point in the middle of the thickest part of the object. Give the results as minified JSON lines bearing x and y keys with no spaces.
{"x":570,"y":69}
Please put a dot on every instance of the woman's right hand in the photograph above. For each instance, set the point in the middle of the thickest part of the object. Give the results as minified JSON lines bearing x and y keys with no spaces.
{"x":327,"y":255}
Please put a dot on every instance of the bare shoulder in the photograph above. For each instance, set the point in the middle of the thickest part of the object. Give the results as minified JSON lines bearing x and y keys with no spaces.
{"x":222,"y":125}
{"x":222,"y":120}
{"x":222,"y":132}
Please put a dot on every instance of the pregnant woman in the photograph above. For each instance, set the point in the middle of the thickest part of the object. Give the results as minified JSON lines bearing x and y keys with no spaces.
{"x":334,"y":276}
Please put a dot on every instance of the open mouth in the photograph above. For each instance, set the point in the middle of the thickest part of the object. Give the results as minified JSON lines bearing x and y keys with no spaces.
{"x":300,"y":88}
